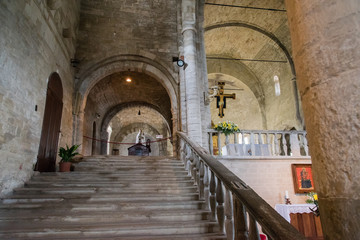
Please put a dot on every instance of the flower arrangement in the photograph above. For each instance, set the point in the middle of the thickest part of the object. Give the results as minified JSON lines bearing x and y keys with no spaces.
{"x":227,"y":127}
{"x":313,"y":198}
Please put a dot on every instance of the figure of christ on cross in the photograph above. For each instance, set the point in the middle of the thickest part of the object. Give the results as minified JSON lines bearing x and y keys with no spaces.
{"x":221,"y":99}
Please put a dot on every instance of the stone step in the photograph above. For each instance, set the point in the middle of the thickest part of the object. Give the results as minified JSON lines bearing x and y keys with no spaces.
{"x":48,"y":215}
{"x":69,"y":230}
{"x":45,"y":180}
{"x":109,"y":206}
{"x":107,"y":174}
{"x":78,"y":198}
{"x":109,"y":197}
{"x":132,"y":158}
{"x":133,"y":163}
{"x":105,"y":188}
{"x":201,"y":236}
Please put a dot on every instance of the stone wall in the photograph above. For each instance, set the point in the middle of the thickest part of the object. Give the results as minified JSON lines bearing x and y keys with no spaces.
{"x":269,"y":178}
{"x":36,"y":39}
{"x":131,"y":37}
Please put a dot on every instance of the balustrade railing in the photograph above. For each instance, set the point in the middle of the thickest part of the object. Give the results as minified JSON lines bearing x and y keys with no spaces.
{"x":259,"y":143}
{"x":234,"y":205}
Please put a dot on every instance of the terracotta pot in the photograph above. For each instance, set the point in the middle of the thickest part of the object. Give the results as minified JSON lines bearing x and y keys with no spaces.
{"x":64,"y":166}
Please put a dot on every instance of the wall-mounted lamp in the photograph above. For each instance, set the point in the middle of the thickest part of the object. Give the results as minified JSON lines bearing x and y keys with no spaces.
{"x":74,"y":62}
{"x":180,"y":61}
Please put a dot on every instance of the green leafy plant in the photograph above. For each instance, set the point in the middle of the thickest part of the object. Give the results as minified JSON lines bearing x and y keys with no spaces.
{"x":68,"y":153}
{"x":227,"y":127}
{"x":313,"y":198}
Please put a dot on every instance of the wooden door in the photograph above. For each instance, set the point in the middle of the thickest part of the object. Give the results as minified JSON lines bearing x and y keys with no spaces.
{"x":46,"y":159}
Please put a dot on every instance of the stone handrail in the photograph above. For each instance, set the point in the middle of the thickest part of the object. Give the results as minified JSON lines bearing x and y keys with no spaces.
{"x":262,"y":143}
{"x":229,"y":199}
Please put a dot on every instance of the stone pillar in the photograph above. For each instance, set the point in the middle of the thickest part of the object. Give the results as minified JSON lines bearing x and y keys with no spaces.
{"x":326,"y":49}
{"x":78,"y":130}
{"x":193,"y":112}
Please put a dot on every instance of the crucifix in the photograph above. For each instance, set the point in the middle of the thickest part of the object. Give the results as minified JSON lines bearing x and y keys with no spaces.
{"x":221,"y":98}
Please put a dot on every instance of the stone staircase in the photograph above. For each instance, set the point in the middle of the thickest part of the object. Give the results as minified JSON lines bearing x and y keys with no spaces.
{"x":109,"y":197}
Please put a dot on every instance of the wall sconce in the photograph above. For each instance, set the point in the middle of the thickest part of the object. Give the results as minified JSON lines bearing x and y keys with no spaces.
{"x":180,"y":61}
{"x":74,"y":62}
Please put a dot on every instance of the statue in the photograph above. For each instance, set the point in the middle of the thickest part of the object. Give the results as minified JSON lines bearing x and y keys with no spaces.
{"x":140,"y":137}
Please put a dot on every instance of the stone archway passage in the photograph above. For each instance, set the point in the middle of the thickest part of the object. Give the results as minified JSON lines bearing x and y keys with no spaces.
{"x":46,"y":158}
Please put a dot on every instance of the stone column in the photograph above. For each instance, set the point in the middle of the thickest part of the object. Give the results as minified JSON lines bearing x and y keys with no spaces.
{"x":326,"y":49}
{"x":193,"y":112}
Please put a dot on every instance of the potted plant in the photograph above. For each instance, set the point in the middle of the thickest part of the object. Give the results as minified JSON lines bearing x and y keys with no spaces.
{"x":66,"y":157}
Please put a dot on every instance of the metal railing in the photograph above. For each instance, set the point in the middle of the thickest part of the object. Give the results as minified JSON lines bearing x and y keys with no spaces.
{"x":260,"y":143}
{"x":235,"y":206}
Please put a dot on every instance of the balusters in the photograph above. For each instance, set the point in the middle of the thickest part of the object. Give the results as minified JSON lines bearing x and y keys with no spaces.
{"x":220,"y":205}
{"x":306,"y":148}
{"x":253,"y":229}
{"x":227,"y":141}
{"x":236,"y":138}
{"x":219,"y":143}
{"x":229,"y":222}
{"x":243,"y":143}
{"x":240,"y":220}
{"x":211,"y":144}
{"x":212,"y":197}
{"x":201,"y":180}
{"x":294,"y":144}
{"x":206,"y":187}
{"x":285,"y":147}
{"x":252,"y":144}
{"x":277,"y":147}
{"x":194,"y":169}
{"x":187,"y":160}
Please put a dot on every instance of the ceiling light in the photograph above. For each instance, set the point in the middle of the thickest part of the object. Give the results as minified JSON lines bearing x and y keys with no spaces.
{"x":128,"y":79}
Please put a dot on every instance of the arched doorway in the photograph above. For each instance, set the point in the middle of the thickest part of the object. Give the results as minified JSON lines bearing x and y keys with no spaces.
{"x":46,"y":158}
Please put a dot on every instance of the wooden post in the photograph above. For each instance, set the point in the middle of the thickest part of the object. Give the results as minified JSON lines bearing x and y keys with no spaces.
{"x":240,"y":220}
{"x":253,"y":230}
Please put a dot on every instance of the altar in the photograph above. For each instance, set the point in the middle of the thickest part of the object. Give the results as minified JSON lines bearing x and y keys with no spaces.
{"x":302,"y":218}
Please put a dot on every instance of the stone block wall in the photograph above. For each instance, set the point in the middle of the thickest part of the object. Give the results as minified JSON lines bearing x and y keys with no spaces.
{"x":34,"y":43}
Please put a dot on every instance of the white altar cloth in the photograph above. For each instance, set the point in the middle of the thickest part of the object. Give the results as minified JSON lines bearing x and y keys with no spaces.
{"x":286,"y":209}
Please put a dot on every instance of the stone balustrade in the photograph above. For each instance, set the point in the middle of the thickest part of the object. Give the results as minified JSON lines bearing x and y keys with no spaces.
{"x":259,"y":143}
{"x":234,"y":205}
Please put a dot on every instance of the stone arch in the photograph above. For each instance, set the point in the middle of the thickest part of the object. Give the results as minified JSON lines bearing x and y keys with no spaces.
{"x":112,"y":112}
{"x":88,"y":78}
{"x":277,"y":41}
{"x":150,"y":132}
{"x":260,"y":30}
{"x":245,"y":75}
